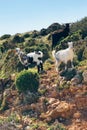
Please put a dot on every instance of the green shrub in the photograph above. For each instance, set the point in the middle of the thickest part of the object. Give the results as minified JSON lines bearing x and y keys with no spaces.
{"x":5,"y":36}
{"x":27,"y":80}
{"x":80,"y":49}
{"x":43,"y":32}
{"x":34,"y":34}
{"x":17,"y":39}
{"x":5,"y":45}
{"x":30,"y":42}
{"x":80,"y":25}
{"x":2,"y":49}
{"x":26,"y":35}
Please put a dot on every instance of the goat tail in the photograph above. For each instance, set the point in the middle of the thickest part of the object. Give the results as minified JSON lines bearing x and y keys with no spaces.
{"x":53,"y":53}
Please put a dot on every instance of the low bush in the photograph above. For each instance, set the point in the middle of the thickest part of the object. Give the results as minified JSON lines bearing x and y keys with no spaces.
{"x":5,"y":36}
{"x":17,"y":39}
{"x":27,"y":80}
{"x":26,"y":35}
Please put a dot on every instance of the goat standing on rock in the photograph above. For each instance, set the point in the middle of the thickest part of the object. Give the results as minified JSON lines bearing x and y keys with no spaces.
{"x":64,"y":56}
{"x":32,"y":57}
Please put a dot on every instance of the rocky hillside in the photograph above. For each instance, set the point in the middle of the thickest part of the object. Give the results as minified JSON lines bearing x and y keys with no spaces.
{"x":51,"y":108}
{"x":61,"y":100}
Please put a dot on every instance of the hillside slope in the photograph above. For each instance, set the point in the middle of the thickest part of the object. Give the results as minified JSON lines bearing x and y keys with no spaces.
{"x":65,"y":108}
{"x":61,"y":100}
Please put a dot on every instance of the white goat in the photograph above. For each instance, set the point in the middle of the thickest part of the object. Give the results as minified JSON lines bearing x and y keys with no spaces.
{"x":64,"y":56}
{"x":32,"y":57}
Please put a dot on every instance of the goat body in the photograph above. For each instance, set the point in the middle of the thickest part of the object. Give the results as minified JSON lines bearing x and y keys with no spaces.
{"x":35,"y":56}
{"x":64,"y":56}
{"x":32,"y":57}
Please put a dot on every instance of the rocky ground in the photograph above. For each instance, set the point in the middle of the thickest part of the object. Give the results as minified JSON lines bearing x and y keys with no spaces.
{"x":56,"y":109}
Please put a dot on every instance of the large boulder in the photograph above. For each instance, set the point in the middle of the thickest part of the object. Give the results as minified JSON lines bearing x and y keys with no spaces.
{"x":62,"y":109}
